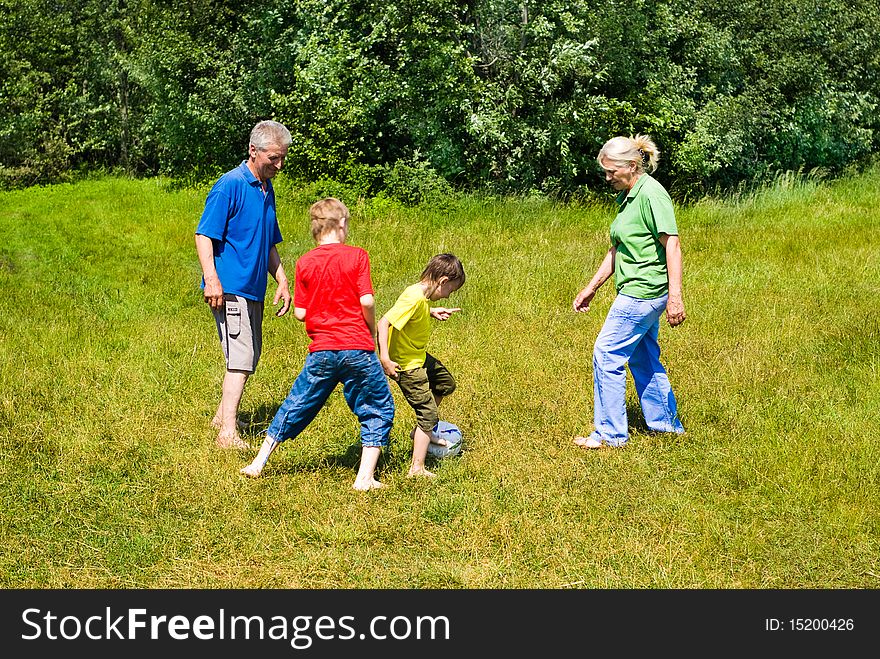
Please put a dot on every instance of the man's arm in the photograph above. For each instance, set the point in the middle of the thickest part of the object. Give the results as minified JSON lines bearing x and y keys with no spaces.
{"x":276,"y":269}
{"x":213,"y":288}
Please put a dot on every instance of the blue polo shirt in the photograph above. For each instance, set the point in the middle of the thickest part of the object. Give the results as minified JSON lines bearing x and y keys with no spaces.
{"x":240,"y":219}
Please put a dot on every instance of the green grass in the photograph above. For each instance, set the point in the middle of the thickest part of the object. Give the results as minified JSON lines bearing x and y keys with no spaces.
{"x":110,"y":373}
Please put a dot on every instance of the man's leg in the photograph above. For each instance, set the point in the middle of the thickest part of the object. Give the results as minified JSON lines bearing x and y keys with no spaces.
{"x":239,"y":326}
{"x":233,"y":388}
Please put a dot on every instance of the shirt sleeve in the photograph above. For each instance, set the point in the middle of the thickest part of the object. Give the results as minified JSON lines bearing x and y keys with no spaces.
{"x":364,"y":281}
{"x":299,"y":288}
{"x":216,"y":214}
{"x":662,"y":216}
{"x":402,"y":311}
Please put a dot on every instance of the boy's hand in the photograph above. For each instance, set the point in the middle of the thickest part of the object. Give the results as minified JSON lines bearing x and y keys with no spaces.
{"x":443,"y":313}
{"x":390,"y":367}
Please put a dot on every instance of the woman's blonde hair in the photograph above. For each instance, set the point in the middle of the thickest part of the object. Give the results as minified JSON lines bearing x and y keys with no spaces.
{"x":638,"y":150}
{"x":326,"y":215}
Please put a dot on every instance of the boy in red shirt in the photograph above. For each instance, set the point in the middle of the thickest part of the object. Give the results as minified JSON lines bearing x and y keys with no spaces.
{"x":333,"y":296}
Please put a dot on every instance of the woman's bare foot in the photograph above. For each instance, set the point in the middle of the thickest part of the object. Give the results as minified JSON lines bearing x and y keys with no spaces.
{"x":372,"y":484}
{"x":420,"y":472}
{"x":588,"y":443}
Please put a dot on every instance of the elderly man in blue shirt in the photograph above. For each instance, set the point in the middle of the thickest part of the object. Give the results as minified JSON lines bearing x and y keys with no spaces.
{"x":236,"y":240}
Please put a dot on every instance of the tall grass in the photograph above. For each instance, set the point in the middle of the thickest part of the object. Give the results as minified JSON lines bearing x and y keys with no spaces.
{"x":110,"y":373}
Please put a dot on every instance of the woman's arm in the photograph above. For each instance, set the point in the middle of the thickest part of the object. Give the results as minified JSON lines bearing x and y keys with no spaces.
{"x":606,"y":269}
{"x":675,"y":313}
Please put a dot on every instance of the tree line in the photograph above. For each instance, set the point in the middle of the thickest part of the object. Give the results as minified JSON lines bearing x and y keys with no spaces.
{"x":414,"y":96}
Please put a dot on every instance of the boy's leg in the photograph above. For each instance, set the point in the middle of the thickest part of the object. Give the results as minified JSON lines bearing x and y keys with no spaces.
{"x":652,"y":385}
{"x":365,"y":479}
{"x":417,"y":391}
{"x":442,"y":384}
{"x":366,"y":391}
{"x":307,"y":396}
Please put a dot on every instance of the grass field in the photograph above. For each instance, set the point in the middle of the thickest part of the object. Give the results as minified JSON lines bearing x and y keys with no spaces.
{"x":110,"y":373}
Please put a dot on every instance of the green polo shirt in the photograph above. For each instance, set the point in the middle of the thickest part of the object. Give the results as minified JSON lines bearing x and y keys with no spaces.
{"x":640,"y":261}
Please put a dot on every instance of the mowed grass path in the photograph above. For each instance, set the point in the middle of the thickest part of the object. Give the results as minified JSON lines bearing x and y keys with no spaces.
{"x":110,"y":372}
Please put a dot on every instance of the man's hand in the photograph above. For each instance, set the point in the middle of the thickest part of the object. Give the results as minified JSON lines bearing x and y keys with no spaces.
{"x":213,"y":293}
{"x":282,"y":294}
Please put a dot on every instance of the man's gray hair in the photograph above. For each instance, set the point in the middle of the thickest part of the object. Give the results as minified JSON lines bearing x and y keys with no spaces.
{"x":268,"y":133}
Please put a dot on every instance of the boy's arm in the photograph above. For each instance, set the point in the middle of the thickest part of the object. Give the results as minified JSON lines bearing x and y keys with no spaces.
{"x":442,"y":313}
{"x":300,"y":314}
{"x":368,"y":308}
{"x":390,"y":367}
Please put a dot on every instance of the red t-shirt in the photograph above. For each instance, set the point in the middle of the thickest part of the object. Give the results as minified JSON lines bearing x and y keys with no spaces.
{"x":329,"y":282}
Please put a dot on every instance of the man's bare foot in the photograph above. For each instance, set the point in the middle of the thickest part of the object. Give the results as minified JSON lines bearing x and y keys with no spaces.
{"x":420,"y":472}
{"x":364,"y":486}
{"x":216,"y":423}
{"x":251,"y":471}
{"x":232,"y":442}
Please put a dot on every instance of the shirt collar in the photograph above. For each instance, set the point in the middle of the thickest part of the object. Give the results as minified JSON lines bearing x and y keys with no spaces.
{"x":626,"y":195}
{"x":248,"y":174}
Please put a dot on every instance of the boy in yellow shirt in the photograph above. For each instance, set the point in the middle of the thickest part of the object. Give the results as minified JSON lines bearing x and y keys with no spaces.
{"x":403,"y":334}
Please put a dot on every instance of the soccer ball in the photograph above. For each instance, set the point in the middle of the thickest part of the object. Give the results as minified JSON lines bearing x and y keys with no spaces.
{"x":451,"y":433}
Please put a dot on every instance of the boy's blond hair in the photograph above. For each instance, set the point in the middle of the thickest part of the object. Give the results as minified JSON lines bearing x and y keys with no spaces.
{"x":325,"y":215}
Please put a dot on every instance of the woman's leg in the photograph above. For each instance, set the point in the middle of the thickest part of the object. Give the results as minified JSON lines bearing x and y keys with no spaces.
{"x":628,"y":320}
{"x":652,"y":385}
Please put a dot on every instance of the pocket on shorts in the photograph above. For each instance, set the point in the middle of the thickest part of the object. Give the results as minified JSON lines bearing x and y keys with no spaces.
{"x":233,"y":318}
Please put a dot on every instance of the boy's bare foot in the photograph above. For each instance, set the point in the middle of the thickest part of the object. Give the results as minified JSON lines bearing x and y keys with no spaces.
{"x":372,"y":484}
{"x":420,"y":472}
{"x":232,"y":442}
{"x":251,"y":471}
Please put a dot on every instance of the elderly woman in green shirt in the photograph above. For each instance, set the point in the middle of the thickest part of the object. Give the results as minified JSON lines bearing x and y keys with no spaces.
{"x":645,"y":259}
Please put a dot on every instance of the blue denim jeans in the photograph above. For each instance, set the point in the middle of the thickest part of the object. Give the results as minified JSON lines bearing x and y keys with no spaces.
{"x":629,"y":336}
{"x":364,"y":386}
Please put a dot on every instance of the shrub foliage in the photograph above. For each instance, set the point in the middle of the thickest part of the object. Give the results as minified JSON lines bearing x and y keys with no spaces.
{"x":410,"y":97}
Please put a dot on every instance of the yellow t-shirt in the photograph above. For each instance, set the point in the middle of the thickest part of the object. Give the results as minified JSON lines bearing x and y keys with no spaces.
{"x":410,"y":320}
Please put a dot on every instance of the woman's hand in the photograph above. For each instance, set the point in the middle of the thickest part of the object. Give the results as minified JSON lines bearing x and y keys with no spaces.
{"x":582,"y":300}
{"x":675,"y":314}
